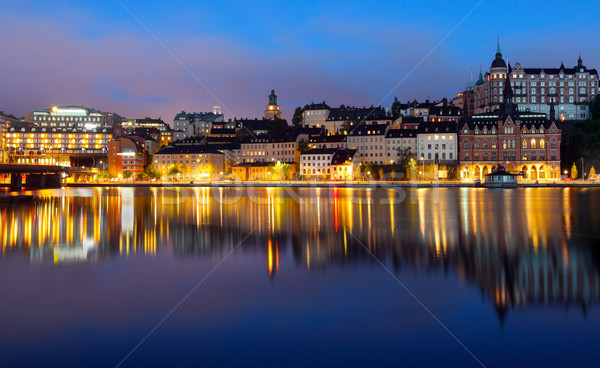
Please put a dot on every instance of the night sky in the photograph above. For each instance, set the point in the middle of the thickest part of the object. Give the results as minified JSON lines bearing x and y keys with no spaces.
{"x":232,"y":53}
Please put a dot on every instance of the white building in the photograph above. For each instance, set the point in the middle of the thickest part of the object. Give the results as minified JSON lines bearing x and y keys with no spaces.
{"x":437,"y":142}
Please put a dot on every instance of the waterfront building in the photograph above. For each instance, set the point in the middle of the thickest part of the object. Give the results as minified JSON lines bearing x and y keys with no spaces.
{"x":272,"y":109}
{"x":369,"y":140}
{"x":126,"y":154}
{"x":396,"y":139}
{"x":571,"y":89}
{"x":195,"y":162}
{"x":73,"y":146}
{"x":258,"y":170}
{"x":525,"y":142}
{"x":437,"y":143}
{"x":329,"y":163}
{"x":444,"y":111}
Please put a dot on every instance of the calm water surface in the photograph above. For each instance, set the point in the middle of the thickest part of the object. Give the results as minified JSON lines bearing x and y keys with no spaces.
{"x":301,"y":277}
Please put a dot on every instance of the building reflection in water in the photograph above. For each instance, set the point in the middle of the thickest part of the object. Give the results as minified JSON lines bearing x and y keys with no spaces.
{"x":519,"y":247}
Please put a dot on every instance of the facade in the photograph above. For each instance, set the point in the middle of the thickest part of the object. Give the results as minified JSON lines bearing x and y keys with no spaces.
{"x":346,"y":118}
{"x":523,"y":142}
{"x":329,"y":163}
{"x":437,"y":143}
{"x":369,"y":140}
{"x":186,"y":125}
{"x":125,"y":154}
{"x":5,"y":122}
{"x":195,"y":162}
{"x":257,"y":171}
{"x":69,"y":146}
{"x":396,"y":139}
{"x":146,"y":123}
{"x":571,"y":89}
{"x":272,"y":109}
{"x":74,"y":117}
{"x":315,"y":115}
{"x":328,"y":141}
{"x":264,"y":148}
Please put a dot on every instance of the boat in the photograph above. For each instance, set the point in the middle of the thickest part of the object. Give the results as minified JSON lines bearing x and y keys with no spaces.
{"x":477,"y":183}
{"x":500,"y":179}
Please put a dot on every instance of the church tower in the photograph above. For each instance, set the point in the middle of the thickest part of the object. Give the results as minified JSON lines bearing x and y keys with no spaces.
{"x":272,"y":110}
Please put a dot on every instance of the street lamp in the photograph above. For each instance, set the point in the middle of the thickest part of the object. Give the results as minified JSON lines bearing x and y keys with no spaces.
{"x":582,"y":170}
{"x":423,"y":159}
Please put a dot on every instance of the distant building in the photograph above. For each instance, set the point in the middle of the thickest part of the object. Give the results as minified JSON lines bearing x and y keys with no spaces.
{"x":522,"y":141}
{"x":272,"y":110}
{"x":315,"y":114}
{"x":328,"y":141}
{"x":126,"y":154}
{"x":281,"y":147}
{"x":571,"y":89}
{"x":5,"y":122}
{"x":196,"y":162}
{"x":74,"y":117}
{"x":186,"y":125}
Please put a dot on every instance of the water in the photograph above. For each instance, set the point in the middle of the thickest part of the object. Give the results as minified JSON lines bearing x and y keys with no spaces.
{"x":301,"y":277}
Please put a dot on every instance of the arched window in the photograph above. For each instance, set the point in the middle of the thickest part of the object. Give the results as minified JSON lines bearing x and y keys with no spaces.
{"x":485,"y":143}
{"x":504,"y":144}
{"x":476,"y":145}
{"x":429,"y":156}
{"x":443,"y":155}
{"x":553,"y":143}
{"x":466,"y":144}
{"x":493,"y":130}
{"x":513,"y":143}
{"x":524,"y":144}
{"x":542,"y":143}
{"x":533,"y":145}
{"x":451,"y":156}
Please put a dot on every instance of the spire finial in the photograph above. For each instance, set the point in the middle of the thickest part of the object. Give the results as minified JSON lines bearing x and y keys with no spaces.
{"x":471,"y":75}
{"x":498,"y":44}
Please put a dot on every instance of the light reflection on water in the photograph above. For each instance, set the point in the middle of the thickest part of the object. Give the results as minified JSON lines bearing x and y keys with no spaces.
{"x":518,"y":246}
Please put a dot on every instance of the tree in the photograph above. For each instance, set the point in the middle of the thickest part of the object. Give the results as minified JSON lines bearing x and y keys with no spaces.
{"x":592,"y":173}
{"x":302,"y":146}
{"x":574,"y":172}
{"x":297,"y":119}
{"x":595,"y":107}
{"x":406,"y":159}
{"x":173,"y":170}
{"x":141,"y":176}
{"x":282,"y":171}
{"x":277,"y":126}
{"x":127,"y":174}
{"x":396,"y":107}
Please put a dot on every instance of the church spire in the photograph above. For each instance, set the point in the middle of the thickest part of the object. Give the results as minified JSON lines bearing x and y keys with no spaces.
{"x":552,"y":111}
{"x":498,"y":45}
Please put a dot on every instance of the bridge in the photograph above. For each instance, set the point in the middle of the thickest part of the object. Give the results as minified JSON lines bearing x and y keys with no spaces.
{"x":36,"y":176}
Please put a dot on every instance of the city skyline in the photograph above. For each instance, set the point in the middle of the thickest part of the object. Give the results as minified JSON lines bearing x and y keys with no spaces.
{"x":136,"y":60}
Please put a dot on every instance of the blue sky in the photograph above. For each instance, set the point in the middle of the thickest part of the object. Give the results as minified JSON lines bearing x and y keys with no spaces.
{"x":232,"y":53}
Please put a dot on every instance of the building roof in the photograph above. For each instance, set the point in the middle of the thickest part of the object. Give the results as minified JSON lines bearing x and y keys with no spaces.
{"x":192,"y":149}
{"x":344,"y":113}
{"x":401,"y":133}
{"x":338,"y":138}
{"x":369,"y":129}
{"x":198,"y":116}
{"x":437,"y":127}
{"x":343,"y":156}
{"x":320,"y":151}
{"x":317,"y":106}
